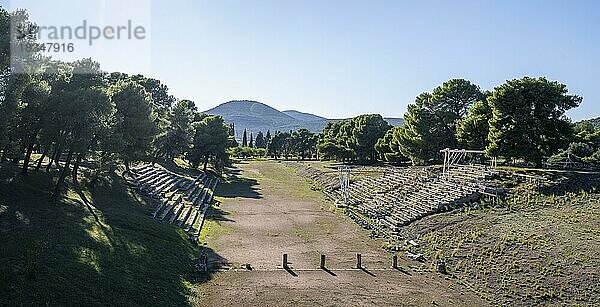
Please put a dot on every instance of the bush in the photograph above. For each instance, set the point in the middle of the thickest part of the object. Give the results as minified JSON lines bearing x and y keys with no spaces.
{"x":247,"y":152}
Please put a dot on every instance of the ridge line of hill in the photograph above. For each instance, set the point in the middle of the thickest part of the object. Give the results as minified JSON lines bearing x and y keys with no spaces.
{"x":256,"y":116}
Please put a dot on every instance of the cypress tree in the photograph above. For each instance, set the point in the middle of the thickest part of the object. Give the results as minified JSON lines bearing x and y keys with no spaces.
{"x":260,"y":140}
{"x":267,"y":137}
{"x":245,"y":139}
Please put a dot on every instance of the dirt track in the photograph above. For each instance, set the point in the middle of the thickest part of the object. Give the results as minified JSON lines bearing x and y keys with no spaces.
{"x":281,"y":214}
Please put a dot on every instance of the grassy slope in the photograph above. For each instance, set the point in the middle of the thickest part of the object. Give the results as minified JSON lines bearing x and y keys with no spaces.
{"x":539,"y":246}
{"x":56,"y":253}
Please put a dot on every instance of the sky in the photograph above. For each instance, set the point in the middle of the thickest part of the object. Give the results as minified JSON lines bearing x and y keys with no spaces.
{"x":341,"y":58}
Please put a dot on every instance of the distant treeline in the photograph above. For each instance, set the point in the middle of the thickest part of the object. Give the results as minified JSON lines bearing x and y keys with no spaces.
{"x":522,"y":119}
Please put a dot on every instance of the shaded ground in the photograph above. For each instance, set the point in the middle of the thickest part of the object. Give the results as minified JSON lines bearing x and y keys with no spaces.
{"x":269,"y":211}
{"x":57,"y":253}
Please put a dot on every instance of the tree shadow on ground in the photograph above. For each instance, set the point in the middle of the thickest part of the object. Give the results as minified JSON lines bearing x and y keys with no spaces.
{"x":216,"y":263}
{"x":218,"y":214}
{"x":572,"y":182}
{"x":57,"y":253}
{"x":234,"y":185}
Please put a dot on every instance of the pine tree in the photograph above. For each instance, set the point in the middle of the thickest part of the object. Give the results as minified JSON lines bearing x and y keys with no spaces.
{"x":431,"y":122}
{"x":528,"y":119}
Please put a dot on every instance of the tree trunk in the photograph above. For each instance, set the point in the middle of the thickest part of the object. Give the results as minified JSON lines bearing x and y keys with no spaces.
{"x":27,"y":159}
{"x":29,"y":150}
{"x":41,"y":159}
{"x":155,"y":158}
{"x":62,"y":177}
{"x":15,"y":160}
{"x":76,"y":168}
{"x":55,"y":156}
{"x":205,"y":163}
{"x":58,"y":156}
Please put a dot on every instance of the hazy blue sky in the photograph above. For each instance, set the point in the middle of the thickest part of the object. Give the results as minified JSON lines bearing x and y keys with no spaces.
{"x":344,"y":58}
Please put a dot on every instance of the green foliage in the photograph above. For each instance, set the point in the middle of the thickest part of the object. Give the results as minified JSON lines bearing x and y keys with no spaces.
{"x":260,"y":141}
{"x":210,"y":142}
{"x":303,"y":143}
{"x":300,"y":143}
{"x":352,"y":140}
{"x":247,"y":152}
{"x":595,"y":122}
{"x":588,"y":133}
{"x":595,"y":158}
{"x":388,"y":147}
{"x":134,"y":121}
{"x":472,"y":131}
{"x":4,"y":40}
{"x":245,"y":139}
{"x":584,"y":149}
{"x":431,"y":122}
{"x":279,"y":144}
{"x":528,"y":120}
{"x":74,"y":113}
{"x":178,"y":136}
{"x":162,"y":101}
{"x":330,"y":146}
{"x":366,"y":130}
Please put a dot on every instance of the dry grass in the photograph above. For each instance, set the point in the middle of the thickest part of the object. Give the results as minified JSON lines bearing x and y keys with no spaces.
{"x":535,"y":248}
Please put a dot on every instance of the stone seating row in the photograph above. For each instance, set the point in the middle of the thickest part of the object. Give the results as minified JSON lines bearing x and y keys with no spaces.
{"x":400,"y":196}
{"x":181,"y":200}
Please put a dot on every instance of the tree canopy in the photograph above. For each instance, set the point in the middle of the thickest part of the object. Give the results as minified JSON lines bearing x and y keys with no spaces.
{"x":431,"y":122}
{"x":352,"y":140}
{"x":210,"y":142}
{"x":528,"y":119}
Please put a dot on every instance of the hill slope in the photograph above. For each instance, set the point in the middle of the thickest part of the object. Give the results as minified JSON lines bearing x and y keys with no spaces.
{"x":394,"y":121}
{"x":57,"y":253}
{"x":305,"y":117}
{"x":539,"y":246}
{"x":255,"y":116}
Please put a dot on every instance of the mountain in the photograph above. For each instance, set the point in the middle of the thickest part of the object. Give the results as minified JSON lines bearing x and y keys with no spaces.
{"x":395,"y":121}
{"x":255,"y":116}
{"x":306,"y":117}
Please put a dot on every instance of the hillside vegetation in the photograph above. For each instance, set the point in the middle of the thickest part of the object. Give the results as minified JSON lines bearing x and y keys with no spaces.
{"x":58,"y":253}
